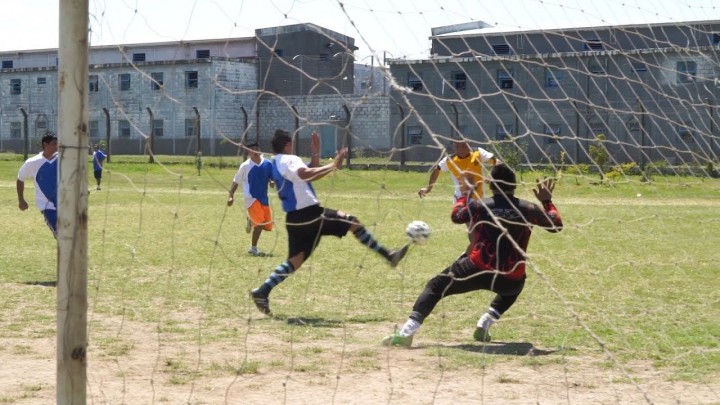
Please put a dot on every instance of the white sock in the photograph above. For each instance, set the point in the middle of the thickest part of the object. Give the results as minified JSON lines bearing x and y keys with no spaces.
{"x":486,"y":320}
{"x":411,"y":326}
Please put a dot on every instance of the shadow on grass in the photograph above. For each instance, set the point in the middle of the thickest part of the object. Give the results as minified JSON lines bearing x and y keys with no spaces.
{"x":315,"y":322}
{"x":503,"y":348}
{"x":42,"y":283}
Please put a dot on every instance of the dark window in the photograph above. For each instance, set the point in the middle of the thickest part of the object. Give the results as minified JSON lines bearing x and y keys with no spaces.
{"x":7,"y":64}
{"x":191,"y":79}
{"x":324,"y":57}
{"x":414,"y":82}
{"x":414,"y":135}
{"x":158,"y":127}
{"x":41,"y":80}
{"x":15,"y":86}
{"x":553,"y":132}
{"x":124,"y":128}
{"x":15,"y":129}
{"x":716,"y":39}
{"x":505,"y":79}
{"x":597,"y":128}
{"x":503,"y":132}
{"x":639,"y":67}
{"x":202,"y":54}
{"x":595,"y":67}
{"x":157,"y":80}
{"x":278,"y":53}
{"x":124,"y":81}
{"x":94,"y":83}
{"x":501,"y":49}
{"x":94,"y":129}
{"x":686,"y":71}
{"x":138,"y":57}
{"x":594,"y":45}
{"x":553,"y":77}
{"x":190,"y":126}
{"x":458,"y":80}
{"x":41,"y":123}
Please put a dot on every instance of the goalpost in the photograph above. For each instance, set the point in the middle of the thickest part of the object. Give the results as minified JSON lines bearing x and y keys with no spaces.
{"x":72,"y":239}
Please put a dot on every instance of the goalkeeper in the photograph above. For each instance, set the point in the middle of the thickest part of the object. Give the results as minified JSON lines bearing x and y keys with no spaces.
{"x":306,"y":220}
{"x":501,"y":227}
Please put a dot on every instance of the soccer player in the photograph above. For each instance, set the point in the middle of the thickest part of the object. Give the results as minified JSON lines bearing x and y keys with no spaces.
{"x":43,"y":169}
{"x":464,"y":160}
{"x":98,"y":159}
{"x":254,"y":174}
{"x":501,"y":226}
{"x":306,"y":220}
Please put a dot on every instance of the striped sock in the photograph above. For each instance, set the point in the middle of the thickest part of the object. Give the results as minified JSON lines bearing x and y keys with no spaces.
{"x":368,"y":240}
{"x":278,"y":275}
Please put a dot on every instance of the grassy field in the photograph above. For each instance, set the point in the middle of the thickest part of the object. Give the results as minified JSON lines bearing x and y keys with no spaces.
{"x":633,"y":277}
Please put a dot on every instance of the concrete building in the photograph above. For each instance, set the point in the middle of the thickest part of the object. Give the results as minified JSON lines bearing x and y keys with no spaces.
{"x":651,"y":90}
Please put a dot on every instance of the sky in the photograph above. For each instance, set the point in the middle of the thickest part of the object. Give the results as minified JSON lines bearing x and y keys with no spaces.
{"x":391,"y":28}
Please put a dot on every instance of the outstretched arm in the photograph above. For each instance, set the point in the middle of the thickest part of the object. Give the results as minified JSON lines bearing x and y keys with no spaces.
{"x":316,"y":173}
{"x":314,"y":150}
{"x":550,"y":217}
{"x":431,"y":182}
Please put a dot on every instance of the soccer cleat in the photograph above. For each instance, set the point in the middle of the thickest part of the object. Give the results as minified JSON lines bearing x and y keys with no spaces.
{"x":254,"y":251}
{"x":261,"y":302}
{"x":481,"y":335}
{"x":397,"y":255}
{"x":397,"y":340}
{"x":248,"y":226}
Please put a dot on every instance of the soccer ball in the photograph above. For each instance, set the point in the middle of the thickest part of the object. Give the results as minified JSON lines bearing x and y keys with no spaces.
{"x":418,"y":232}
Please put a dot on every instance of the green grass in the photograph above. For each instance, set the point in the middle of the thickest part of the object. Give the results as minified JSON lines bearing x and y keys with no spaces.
{"x":634,"y":275}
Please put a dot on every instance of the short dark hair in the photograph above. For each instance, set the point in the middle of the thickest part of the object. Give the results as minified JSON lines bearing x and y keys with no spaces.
{"x":502,"y":178}
{"x":252,"y":145}
{"x":49,"y":137}
{"x":280,"y":139}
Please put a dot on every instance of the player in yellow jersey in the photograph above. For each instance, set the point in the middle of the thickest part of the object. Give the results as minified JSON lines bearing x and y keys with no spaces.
{"x":464,"y":160}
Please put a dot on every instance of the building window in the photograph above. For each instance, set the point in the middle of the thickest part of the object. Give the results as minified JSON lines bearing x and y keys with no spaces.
{"x":324,"y":57}
{"x":414,"y":82}
{"x":597,"y":128}
{"x":124,"y":81}
{"x":505,"y":79}
{"x":15,"y":129}
{"x":503,"y":132}
{"x":686,"y":71}
{"x":596,"y":67}
{"x":685,"y":135}
{"x":553,"y":77}
{"x":190,"y":126}
{"x":552,"y":132}
{"x":414,"y":135}
{"x":7,"y":64}
{"x":124,"y":128}
{"x":202,"y":54}
{"x":94,"y":129}
{"x":41,"y":123}
{"x":157,"y":80}
{"x":191,"y":79}
{"x":41,"y":80}
{"x":458,"y":80}
{"x":278,"y":53}
{"x":15,"y":86}
{"x":138,"y":57}
{"x":158,"y":128}
{"x":594,"y":45}
{"x":501,"y":49}
{"x":716,"y":38}
{"x":639,"y":67}
{"x":94,"y":83}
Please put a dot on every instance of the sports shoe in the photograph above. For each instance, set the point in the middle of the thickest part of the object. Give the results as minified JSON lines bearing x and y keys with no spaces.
{"x":481,"y":335}
{"x":261,"y":301}
{"x":248,"y":226}
{"x":255,"y":252}
{"x":98,"y":188}
{"x":397,"y":340}
{"x":397,"y":255}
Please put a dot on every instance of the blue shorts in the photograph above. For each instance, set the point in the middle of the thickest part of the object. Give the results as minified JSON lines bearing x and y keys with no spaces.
{"x":51,"y":220}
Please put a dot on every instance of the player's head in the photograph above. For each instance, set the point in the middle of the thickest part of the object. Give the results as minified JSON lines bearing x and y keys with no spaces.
{"x":50,"y":143}
{"x":280,"y":140}
{"x":502,"y":179}
{"x":462,"y":148}
{"x":253,"y":148}
{"x":96,"y":146}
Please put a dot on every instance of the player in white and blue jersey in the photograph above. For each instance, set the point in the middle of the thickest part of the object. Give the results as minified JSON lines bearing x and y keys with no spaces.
{"x":43,"y":169}
{"x":305,"y":219}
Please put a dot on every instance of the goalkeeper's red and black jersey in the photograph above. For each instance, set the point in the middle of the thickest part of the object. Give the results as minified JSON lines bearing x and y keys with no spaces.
{"x":501,"y":228}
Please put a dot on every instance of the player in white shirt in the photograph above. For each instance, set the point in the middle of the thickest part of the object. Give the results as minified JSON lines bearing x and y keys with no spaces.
{"x":43,"y":169}
{"x":306,"y":220}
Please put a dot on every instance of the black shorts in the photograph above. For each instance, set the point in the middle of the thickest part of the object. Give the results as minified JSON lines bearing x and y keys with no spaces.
{"x":98,"y":174}
{"x":308,"y":225}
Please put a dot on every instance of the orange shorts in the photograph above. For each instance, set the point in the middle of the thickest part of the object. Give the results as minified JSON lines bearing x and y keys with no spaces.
{"x":260,"y":215}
